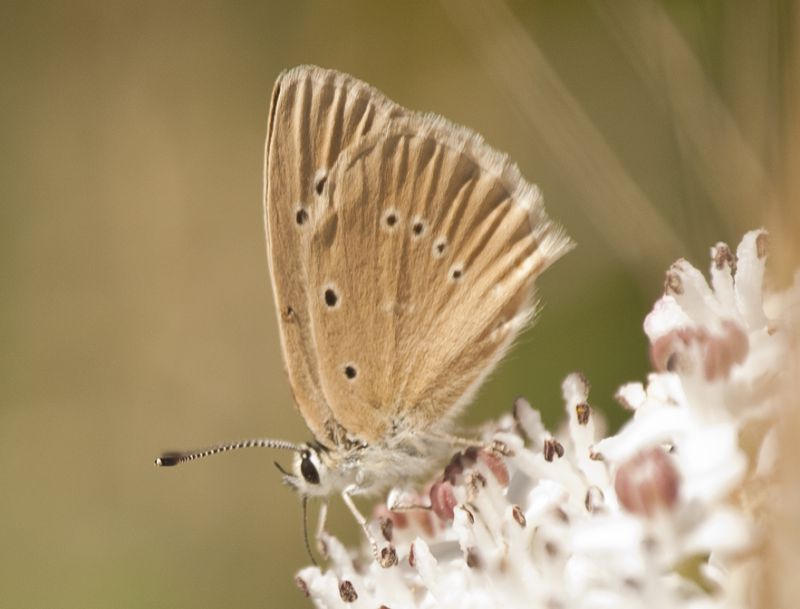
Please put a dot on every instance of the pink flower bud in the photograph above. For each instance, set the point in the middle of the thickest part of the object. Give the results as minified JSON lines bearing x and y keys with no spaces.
{"x":443,"y":500}
{"x":495,"y":465}
{"x":647,"y":482}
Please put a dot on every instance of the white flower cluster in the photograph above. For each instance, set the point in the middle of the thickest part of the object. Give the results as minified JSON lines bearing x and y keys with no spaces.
{"x":664,"y":514}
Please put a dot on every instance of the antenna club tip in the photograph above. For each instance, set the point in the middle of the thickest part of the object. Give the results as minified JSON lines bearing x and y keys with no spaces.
{"x":168,"y":460}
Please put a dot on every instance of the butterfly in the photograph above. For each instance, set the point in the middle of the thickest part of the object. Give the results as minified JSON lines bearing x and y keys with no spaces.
{"x":403,"y":252}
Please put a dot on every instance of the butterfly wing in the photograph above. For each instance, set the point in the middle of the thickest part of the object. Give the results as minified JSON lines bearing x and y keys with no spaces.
{"x":424,"y":258}
{"x":314,"y":115}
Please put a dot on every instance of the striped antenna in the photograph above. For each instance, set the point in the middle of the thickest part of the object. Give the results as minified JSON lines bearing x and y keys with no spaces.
{"x":176,"y":458}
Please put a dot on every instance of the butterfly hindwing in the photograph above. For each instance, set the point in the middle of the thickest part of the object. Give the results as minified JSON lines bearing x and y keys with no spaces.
{"x":423,"y":261}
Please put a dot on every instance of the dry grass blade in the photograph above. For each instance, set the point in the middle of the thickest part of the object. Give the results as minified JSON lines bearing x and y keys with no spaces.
{"x":608,"y":194}
{"x":713,"y":147}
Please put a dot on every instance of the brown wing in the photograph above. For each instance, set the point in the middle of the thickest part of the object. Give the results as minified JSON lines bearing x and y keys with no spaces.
{"x":424,"y":262}
{"x":314,"y":115}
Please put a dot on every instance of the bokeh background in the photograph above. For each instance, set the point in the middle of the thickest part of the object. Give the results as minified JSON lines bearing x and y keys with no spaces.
{"x":136,"y":312}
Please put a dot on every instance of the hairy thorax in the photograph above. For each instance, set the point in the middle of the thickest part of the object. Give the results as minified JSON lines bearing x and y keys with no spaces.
{"x":366,"y":469}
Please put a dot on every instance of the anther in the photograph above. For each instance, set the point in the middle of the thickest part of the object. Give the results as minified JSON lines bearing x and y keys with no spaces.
{"x":519,"y":517}
{"x":582,"y":410}
{"x":552,"y":448}
{"x":347,"y":591}
{"x":388,"y":557}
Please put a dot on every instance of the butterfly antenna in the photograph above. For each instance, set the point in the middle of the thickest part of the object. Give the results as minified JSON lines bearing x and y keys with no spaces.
{"x":305,"y":530}
{"x":176,"y":458}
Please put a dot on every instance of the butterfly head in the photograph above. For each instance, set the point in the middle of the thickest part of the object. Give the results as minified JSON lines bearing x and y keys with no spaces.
{"x":312,"y":473}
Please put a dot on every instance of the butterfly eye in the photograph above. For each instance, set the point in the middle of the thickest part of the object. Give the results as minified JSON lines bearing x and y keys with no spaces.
{"x":350,"y":371}
{"x":307,"y":468}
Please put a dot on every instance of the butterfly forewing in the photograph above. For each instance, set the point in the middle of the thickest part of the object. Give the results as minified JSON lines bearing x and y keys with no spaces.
{"x":423,"y":257}
{"x":315,"y":115}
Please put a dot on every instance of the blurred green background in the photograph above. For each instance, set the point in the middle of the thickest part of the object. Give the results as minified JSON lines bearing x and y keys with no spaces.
{"x":136,"y":308}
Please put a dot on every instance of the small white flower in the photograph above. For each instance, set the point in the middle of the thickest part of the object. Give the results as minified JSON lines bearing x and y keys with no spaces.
{"x":648,"y":518}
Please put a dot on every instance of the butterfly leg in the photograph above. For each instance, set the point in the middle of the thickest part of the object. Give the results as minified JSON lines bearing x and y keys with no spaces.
{"x":409,"y":507}
{"x":322,"y":547}
{"x":406,"y":502}
{"x":386,"y":557}
{"x":495,"y":446}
